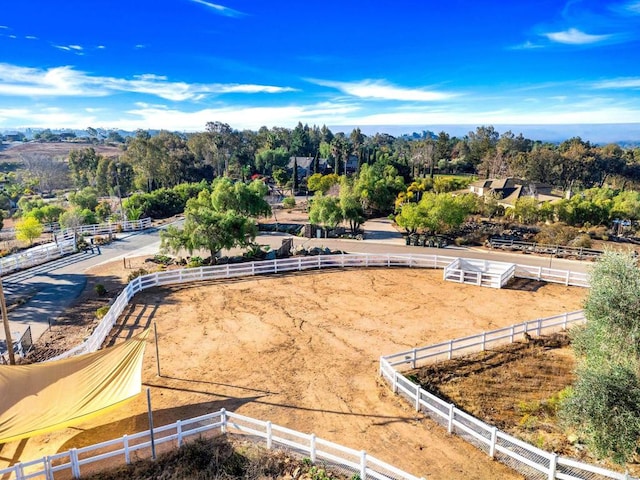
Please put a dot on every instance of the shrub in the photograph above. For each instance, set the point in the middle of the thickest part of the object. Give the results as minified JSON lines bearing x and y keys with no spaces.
{"x":162,"y":259}
{"x":289,"y":202}
{"x":100,"y":289}
{"x":195,"y":262}
{"x":137,"y":273}
{"x":102,"y":311}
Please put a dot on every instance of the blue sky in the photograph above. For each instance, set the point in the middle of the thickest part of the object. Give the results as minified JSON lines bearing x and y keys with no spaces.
{"x":177,"y":64}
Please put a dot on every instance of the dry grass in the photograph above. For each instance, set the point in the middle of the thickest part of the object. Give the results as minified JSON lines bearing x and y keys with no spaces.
{"x":220,"y":458}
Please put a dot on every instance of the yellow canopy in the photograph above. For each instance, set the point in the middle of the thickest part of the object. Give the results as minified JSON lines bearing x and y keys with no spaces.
{"x":38,"y":398}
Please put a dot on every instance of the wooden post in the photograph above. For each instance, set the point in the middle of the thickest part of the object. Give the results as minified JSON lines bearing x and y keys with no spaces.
{"x":7,"y":327}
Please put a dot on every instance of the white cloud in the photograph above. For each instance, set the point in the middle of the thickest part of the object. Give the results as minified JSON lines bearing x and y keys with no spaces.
{"x":633,"y":7}
{"x":65,"y":81}
{"x":101,"y":47}
{"x":140,"y":45}
{"x":528,"y":45}
{"x":573,"y":36}
{"x":31,"y":37}
{"x":618,"y":83}
{"x":381,"y":90}
{"x":220,"y":9}
{"x":4,"y":27}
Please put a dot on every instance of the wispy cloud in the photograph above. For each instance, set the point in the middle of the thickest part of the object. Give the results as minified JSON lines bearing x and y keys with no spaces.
{"x":573,"y":36}
{"x":77,"y":49}
{"x":65,"y":81}
{"x":618,"y":83}
{"x":382,"y":90}
{"x":31,"y":37}
{"x":4,"y":27}
{"x":632,"y":7}
{"x":528,"y":45}
{"x":220,"y":9}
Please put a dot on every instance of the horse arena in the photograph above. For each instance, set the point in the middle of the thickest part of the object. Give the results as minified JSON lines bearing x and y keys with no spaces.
{"x":302,"y":350}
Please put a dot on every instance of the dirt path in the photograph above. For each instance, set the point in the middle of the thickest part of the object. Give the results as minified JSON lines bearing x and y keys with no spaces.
{"x":302,"y":351}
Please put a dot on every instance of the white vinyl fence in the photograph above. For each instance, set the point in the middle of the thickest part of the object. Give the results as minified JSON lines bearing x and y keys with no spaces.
{"x":218,"y":272}
{"x":531,"y":461}
{"x":65,"y":245}
{"x":75,"y":462}
{"x":105,"y":228}
{"x":36,"y":256}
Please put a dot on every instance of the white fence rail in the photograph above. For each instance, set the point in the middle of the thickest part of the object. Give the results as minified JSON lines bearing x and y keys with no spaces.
{"x":88,"y":459}
{"x":36,"y":256}
{"x":65,"y":245}
{"x":217,"y":272}
{"x":105,"y":228}
{"x":477,"y":343}
{"x":531,"y":461}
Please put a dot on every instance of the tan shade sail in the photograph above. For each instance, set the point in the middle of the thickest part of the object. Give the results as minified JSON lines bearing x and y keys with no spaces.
{"x":38,"y":398}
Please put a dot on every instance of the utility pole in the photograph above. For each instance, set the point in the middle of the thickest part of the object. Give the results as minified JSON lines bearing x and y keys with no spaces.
{"x":7,"y":328}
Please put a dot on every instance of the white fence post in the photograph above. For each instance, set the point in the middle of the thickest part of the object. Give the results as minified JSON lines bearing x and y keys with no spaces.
{"x":566,"y":318}
{"x":417,"y":397}
{"x":223,"y":419}
{"x":269,"y":435}
{"x":312,"y":447}
{"x":484,"y":340}
{"x":363,"y":465}
{"x":395,"y":381}
{"x":179,"y":432}
{"x":75,"y":466}
{"x":553,"y":462}
{"x":511,"y":334}
{"x":450,"y":349}
{"x":414,"y":358}
{"x":492,"y":445}
{"x":47,"y":468}
{"x":450,"y":424}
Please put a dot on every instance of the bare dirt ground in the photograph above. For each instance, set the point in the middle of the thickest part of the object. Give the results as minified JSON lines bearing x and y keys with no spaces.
{"x":302,"y":351}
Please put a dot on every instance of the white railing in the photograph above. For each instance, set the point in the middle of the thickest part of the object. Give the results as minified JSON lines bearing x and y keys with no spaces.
{"x":65,"y":244}
{"x":478,"y":343}
{"x":222,"y":422}
{"x":105,"y":228}
{"x":217,"y":272}
{"x":526,"y":459}
{"x":36,"y":256}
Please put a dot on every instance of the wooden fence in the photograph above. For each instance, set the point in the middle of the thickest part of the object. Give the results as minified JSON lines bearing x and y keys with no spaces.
{"x":78,"y":461}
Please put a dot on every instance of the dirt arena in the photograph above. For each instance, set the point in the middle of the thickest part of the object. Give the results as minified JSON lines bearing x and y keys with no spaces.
{"x":302,"y":351}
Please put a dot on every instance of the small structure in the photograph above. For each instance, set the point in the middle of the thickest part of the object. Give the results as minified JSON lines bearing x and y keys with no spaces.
{"x":483,"y":273}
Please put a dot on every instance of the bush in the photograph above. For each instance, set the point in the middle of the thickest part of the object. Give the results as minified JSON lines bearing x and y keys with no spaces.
{"x":102,"y":311}
{"x":195,"y":262}
{"x":289,"y":202}
{"x":137,"y":273}
{"x":100,"y":289}
{"x":162,"y":259}
{"x":605,"y":408}
{"x":558,"y":234}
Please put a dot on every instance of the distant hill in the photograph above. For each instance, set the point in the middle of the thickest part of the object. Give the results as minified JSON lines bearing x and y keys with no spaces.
{"x":11,"y":153}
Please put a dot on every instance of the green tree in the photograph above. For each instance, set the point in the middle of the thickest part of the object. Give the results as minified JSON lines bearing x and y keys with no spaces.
{"x":604,"y":405}
{"x":83,"y":164}
{"x":325,"y":210}
{"x":85,"y":198}
{"x":222,"y":218}
{"x":28,"y":229}
{"x":350,"y":205}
